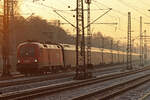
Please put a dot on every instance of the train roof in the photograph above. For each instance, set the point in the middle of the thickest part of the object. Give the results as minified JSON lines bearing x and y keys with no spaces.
{"x":72,"y":47}
{"x":41,"y":45}
{"x":94,"y":49}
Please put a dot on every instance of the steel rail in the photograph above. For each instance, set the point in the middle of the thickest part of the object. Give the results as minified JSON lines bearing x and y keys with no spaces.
{"x":112,"y":91}
{"x":17,"y":76}
{"x":34,"y":92}
{"x":47,"y":77}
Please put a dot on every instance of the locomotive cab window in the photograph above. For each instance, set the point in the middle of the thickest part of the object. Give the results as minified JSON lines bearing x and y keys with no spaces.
{"x":27,"y":51}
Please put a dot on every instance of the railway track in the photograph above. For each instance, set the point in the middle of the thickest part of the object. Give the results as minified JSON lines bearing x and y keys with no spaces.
{"x":17,"y":75}
{"x":14,"y":76}
{"x":145,"y":97}
{"x":33,"y":79}
{"x":30,"y":93}
{"x":109,"y":92}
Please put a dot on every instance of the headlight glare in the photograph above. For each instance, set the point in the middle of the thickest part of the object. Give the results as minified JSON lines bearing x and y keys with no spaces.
{"x":18,"y":61}
{"x":35,"y":60}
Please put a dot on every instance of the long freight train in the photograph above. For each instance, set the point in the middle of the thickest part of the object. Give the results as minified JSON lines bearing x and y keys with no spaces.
{"x":35,"y":57}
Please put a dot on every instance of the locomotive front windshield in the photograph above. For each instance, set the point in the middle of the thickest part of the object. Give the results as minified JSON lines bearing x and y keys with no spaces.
{"x":27,"y":51}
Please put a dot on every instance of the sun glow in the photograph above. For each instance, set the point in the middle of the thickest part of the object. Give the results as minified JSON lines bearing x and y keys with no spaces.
{"x":118,"y":13}
{"x":28,"y":8}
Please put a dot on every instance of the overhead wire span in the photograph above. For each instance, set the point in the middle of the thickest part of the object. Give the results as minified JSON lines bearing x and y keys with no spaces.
{"x":144,"y":3}
{"x":116,"y":18}
{"x":98,"y":17}
{"x":134,"y":8}
{"x":115,"y":10}
{"x":55,"y":11}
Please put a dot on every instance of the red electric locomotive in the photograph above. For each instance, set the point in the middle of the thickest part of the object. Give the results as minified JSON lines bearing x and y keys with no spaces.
{"x":35,"y":57}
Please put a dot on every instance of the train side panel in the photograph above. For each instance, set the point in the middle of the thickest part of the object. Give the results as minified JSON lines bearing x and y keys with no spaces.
{"x":43,"y":59}
{"x":96,"y":58}
{"x":51,"y":57}
{"x":55,"y":57}
{"x":70,"y":57}
{"x":107,"y":58}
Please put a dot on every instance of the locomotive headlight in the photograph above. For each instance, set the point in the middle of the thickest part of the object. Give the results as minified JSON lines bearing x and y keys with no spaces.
{"x":18,"y":61}
{"x":35,"y":60}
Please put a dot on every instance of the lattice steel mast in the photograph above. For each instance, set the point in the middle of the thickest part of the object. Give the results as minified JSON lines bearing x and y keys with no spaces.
{"x":129,"y":44}
{"x":141,"y":43}
{"x":80,"y":41}
{"x":88,"y":33}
